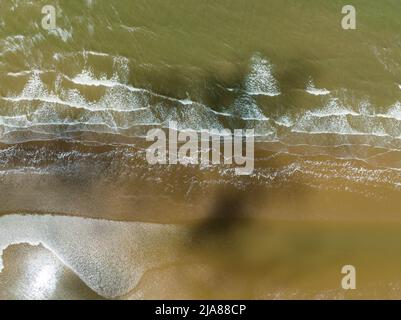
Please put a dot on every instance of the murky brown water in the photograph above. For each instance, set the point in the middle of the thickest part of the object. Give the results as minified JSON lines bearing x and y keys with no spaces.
{"x":77,"y":101}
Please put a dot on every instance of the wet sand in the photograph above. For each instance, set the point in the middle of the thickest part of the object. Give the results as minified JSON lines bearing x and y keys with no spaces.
{"x":76,"y":103}
{"x":251,"y":260}
{"x":34,"y":273}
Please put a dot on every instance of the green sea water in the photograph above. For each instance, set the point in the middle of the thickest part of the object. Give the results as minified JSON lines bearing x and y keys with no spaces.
{"x":198,"y":49}
{"x":324,"y":103}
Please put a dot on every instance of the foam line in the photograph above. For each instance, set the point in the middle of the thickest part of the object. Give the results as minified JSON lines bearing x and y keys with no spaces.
{"x":109,"y":256}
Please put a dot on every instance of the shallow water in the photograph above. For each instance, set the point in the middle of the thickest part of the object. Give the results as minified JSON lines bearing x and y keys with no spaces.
{"x":325,"y":103}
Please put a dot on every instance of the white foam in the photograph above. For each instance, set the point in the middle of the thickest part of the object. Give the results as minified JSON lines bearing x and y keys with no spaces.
{"x":246,"y":108}
{"x":186,"y":102}
{"x":333,"y":108}
{"x":260,"y":80}
{"x":24,"y":73}
{"x":394,"y":112}
{"x":106,"y":111}
{"x":109,"y":256}
{"x":285,"y":121}
{"x":366,"y":109}
{"x":63,"y":34}
{"x":113,"y":99}
{"x":198,"y":117}
{"x":121,"y":106}
{"x":19,"y":43}
{"x":86,"y":78}
{"x":311,"y":124}
{"x":130,"y":29}
{"x":95,"y":53}
{"x":89,"y":3}
{"x":311,"y":89}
